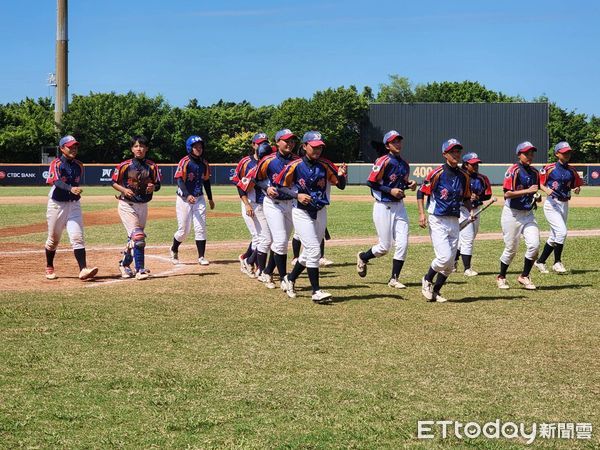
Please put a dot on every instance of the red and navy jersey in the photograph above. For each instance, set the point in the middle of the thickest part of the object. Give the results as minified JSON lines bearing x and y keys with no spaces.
{"x":69,"y":173}
{"x":561,"y":179}
{"x":480,"y":186}
{"x":519,"y":177}
{"x":446,"y":187}
{"x":193,"y":172}
{"x":136,"y":174}
{"x":271,"y":166}
{"x":390,"y":172}
{"x":309,"y":177}
{"x":241,"y":172}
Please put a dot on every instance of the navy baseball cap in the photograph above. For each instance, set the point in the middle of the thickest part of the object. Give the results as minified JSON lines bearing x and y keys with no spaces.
{"x":259,"y":137}
{"x":525,"y":147}
{"x":450,"y":144}
{"x":562,"y":147}
{"x":471,"y":158}
{"x":67,"y":141}
{"x":390,"y":136}
{"x":313,"y":138}
{"x":284,"y":134}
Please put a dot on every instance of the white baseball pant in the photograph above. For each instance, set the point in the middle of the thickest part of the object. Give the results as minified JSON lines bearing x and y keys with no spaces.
{"x":444,"y":231}
{"x":468,"y":233}
{"x":264,"y":238}
{"x":188,"y":213}
{"x":311,"y":232}
{"x":279,"y":218}
{"x":252,"y":223}
{"x":516,"y":222}
{"x":133,"y":215}
{"x":391,"y":223}
{"x":61,"y":215}
{"x":556,"y":213}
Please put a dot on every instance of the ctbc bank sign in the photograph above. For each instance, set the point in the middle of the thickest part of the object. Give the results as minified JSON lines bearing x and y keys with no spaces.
{"x":21,"y":175}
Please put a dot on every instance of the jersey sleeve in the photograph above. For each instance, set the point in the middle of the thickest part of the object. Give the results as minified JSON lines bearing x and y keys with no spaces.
{"x":181,"y":171}
{"x":240,"y":170}
{"x":119,"y":172}
{"x":247,"y":183}
{"x":331,"y":170}
{"x":544,"y":173}
{"x":156,"y":177}
{"x":430,"y":181}
{"x":287,"y":176}
{"x":378,"y":169}
{"x":577,"y":181}
{"x":261,"y":168}
{"x":206,"y":174}
{"x":510,"y":179}
{"x":467,"y":191}
{"x":53,"y":172}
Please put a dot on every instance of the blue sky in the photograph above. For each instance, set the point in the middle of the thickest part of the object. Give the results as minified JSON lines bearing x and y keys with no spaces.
{"x":267,"y":51}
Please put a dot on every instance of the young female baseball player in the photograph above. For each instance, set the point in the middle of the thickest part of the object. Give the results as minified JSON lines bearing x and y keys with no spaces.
{"x":388,"y":181}
{"x":252,"y":197}
{"x":136,"y":179}
{"x":244,"y":166}
{"x":277,"y":206}
{"x":192,"y":174}
{"x":557,"y":180}
{"x":521,"y":182}
{"x":481,"y":190}
{"x":306,"y":180}
{"x":64,"y":210}
{"x":447,"y":189}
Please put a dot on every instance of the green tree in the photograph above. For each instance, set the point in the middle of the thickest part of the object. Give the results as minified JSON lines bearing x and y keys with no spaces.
{"x":459,"y":92}
{"x":398,"y":90}
{"x":567,"y":126}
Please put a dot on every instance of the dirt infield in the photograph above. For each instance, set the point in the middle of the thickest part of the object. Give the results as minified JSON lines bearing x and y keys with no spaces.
{"x":27,"y":261}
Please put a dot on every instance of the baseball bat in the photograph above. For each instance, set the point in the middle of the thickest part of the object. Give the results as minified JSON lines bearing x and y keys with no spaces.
{"x":534,"y":200}
{"x":469,"y":220}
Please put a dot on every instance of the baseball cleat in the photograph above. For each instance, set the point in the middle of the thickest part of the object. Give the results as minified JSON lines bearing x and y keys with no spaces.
{"x":426,"y":289}
{"x":470,"y":273}
{"x":394,"y":283}
{"x":321,"y":297}
{"x":268,"y":281}
{"x":243,"y":267}
{"x":289,"y":290}
{"x":142,"y":274}
{"x":203,"y":261}
{"x":438,"y":298}
{"x":126,"y":271}
{"x":50,"y":275}
{"x":526,"y":282}
{"x":559,"y":268}
{"x":324,"y":262}
{"x":541,"y":267}
{"x":86,"y":274}
{"x":283,"y":283}
{"x":502,"y":283}
{"x":361,"y":266}
{"x":174,"y":257}
{"x":455,"y":268}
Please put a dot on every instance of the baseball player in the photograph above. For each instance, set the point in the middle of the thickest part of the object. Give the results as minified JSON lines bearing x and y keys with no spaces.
{"x":136,"y":179}
{"x":388,"y":181}
{"x":277,"y":206}
{"x":481,"y":190}
{"x":297,"y":246}
{"x":64,"y":210}
{"x":521,"y":183}
{"x":306,"y":180}
{"x":447,"y":188}
{"x":192,"y":174}
{"x":557,"y":180}
{"x":252,"y":208}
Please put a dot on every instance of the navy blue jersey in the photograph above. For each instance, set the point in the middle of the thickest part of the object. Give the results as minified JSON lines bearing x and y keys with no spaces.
{"x":480,"y":186}
{"x":136,"y":174}
{"x":244,"y":170}
{"x":517,"y":178}
{"x":446,"y":187}
{"x":271,"y":166}
{"x":388,"y":172}
{"x":69,"y":172}
{"x":309,"y":177}
{"x":561,"y":178}
{"x":193,"y":172}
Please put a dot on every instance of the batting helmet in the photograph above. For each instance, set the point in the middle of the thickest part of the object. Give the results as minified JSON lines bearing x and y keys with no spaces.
{"x":191,"y":141}
{"x":264,"y":149}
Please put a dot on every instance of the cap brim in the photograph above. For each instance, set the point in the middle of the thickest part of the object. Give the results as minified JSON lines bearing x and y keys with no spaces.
{"x":473,"y":160}
{"x":261,"y":140}
{"x":565,"y":150}
{"x":394,"y":137}
{"x":526,"y":149}
{"x":453,"y":146}
{"x":71,"y":144}
{"x":287,"y":136}
{"x":316,"y":143}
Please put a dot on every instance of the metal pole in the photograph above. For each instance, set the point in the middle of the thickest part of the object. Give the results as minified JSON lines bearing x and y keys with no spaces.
{"x":62,"y":66}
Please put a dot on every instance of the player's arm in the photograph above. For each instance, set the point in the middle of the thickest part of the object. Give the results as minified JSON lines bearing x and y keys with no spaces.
{"x":244,"y":197}
{"x":342,"y":176}
{"x":511,"y":182}
{"x":208,"y":190}
{"x":421,"y":206}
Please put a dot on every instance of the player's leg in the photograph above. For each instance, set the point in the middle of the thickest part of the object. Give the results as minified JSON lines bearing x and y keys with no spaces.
{"x":198,"y":214}
{"x":75,"y":232}
{"x":183,"y":210}
{"x":56,"y":216}
{"x":466,"y":240}
{"x":561,"y":236}
{"x":445,"y":242}
{"x":511,"y":232}
{"x":264,"y":242}
{"x":400,"y":233}
{"x":383,"y":220}
{"x":274,"y":213}
{"x":296,"y":246}
{"x":531,"y":235}
{"x":325,"y":262}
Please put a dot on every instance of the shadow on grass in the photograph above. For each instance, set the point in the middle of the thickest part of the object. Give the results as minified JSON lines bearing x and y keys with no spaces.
{"x":564,"y":286}
{"x":576,"y":271}
{"x":347,"y":298}
{"x":485,"y":299}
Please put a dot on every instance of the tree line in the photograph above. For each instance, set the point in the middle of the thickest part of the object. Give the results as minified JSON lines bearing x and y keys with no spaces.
{"x":104,"y":122}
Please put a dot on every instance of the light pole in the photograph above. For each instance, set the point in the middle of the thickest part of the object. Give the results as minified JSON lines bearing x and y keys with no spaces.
{"x":62,"y":62}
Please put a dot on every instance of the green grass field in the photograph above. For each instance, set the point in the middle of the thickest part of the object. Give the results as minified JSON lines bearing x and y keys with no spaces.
{"x":217,"y":361}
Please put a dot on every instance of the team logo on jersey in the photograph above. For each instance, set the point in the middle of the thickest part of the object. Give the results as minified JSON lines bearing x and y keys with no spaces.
{"x":321,"y":183}
{"x":444,"y":194}
{"x":555,"y":185}
{"x":191,"y":176}
{"x":376,"y":168}
{"x":393,"y":177}
{"x":542,"y":171}
{"x":302,"y":183}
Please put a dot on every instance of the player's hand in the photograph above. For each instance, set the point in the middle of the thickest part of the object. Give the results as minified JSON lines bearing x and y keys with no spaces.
{"x":342,"y":170}
{"x":150,"y":188}
{"x":577,"y":190}
{"x":128,"y":193}
{"x":191,"y":199}
{"x":474,"y":197}
{"x":249,"y":211}
{"x":211,"y":203}
{"x":305,"y":199}
{"x":532,"y":189}
{"x":272,"y":192}
{"x":422,"y":221}
{"x":412,"y":185}
{"x":398,"y":193}
{"x":76,"y":190}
